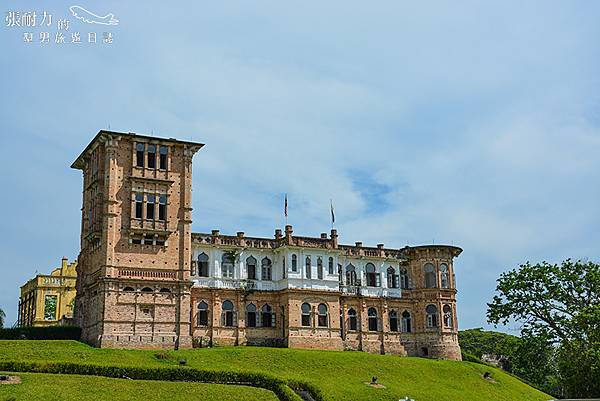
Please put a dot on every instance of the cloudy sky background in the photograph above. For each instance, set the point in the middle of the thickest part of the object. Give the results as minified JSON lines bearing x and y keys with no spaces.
{"x":470,"y":123}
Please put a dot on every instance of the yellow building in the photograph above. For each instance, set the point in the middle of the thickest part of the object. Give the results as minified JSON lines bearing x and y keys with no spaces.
{"x":48,"y":300}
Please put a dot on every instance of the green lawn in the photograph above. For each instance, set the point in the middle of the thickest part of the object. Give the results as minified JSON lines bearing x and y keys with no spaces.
{"x":341,"y":375}
{"x":48,"y":387}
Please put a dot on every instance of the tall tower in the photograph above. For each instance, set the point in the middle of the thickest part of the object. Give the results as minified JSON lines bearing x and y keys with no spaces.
{"x":433,"y":290}
{"x":133,"y":284}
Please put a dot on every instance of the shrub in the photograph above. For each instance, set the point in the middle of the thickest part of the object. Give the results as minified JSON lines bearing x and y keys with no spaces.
{"x":277,"y":386}
{"x":41,"y":333}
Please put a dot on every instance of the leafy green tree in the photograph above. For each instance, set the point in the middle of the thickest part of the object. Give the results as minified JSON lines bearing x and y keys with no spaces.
{"x":532,"y":359}
{"x":2,"y":317}
{"x":557,"y":305}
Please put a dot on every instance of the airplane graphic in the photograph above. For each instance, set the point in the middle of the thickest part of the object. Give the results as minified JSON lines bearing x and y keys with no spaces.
{"x":91,"y":18}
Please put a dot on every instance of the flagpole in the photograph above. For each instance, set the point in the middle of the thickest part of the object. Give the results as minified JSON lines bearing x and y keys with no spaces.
{"x":332,"y":213}
{"x":285,"y":209}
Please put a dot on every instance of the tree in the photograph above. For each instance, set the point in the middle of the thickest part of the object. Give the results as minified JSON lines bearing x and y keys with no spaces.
{"x":559,"y":305}
{"x":532,"y":359}
{"x":2,"y":317}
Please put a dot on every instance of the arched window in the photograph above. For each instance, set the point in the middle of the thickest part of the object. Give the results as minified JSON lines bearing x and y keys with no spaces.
{"x":267,"y":316}
{"x":447,"y":315}
{"x":147,"y":289}
{"x":352,"y":322}
{"x":393,"y":320}
{"x":373,"y":279}
{"x":165,"y":290}
{"x":228,"y":314}
{"x":227,"y":265}
{"x":406,"y":322}
{"x":203,"y":265}
{"x":322,"y":320}
{"x":305,"y":314}
{"x":330,"y":265}
{"x":392,"y":278}
{"x":308,"y":267}
{"x":294,"y":263}
{"x":430,"y":276}
{"x":340,"y":274}
{"x":444,"y":275}
{"x":404,"y":279}
{"x":320,"y":268}
{"x":128,"y":289}
{"x":372,"y":313}
{"x":266,"y":269}
{"x":251,"y":267}
{"x":351,"y":275}
{"x":202,"y":314}
{"x":432,"y":316}
{"x":250,"y":315}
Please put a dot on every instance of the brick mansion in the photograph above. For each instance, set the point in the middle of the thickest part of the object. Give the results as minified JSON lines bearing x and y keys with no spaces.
{"x":145,"y":280}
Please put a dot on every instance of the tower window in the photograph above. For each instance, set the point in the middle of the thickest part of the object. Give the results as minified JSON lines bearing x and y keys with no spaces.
{"x":430,"y":276}
{"x":330,"y":265}
{"x":432,"y":316}
{"x":162,"y":207}
{"x":444,"y":275}
{"x":139,"y":202}
{"x":151,"y":156}
{"x":150,"y":199}
{"x":308,"y":269}
{"x":163,"y":150}
{"x":139,"y":155}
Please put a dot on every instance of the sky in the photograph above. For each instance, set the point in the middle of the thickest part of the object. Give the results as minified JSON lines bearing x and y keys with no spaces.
{"x":473,"y":123}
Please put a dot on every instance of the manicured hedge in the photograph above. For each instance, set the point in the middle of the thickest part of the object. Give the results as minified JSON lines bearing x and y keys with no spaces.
{"x":277,"y":386}
{"x":41,"y":333}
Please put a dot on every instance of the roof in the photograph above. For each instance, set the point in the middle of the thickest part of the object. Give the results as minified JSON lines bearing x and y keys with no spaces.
{"x":77,"y":163}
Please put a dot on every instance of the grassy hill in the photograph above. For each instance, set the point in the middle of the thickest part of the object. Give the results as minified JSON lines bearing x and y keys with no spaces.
{"x":340,"y":375}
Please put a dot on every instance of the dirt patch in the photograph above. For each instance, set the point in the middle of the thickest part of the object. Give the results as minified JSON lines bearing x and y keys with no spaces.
{"x":5,"y":379}
{"x":374,"y":385}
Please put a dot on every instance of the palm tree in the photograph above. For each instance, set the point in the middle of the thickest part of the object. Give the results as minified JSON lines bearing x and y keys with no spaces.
{"x":2,"y":316}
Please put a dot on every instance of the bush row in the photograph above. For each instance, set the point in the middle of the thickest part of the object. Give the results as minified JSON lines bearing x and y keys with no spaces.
{"x":274,"y":384}
{"x":41,"y":333}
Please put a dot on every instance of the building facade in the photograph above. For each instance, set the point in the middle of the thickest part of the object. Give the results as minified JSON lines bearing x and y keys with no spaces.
{"x":47,"y":300}
{"x":144,"y":280}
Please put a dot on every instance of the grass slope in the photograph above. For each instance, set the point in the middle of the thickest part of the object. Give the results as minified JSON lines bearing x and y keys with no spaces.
{"x":48,"y":387}
{"x":341,"y":375}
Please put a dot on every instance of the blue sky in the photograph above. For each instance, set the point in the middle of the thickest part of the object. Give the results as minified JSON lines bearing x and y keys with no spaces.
{"x":472,"y":123}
